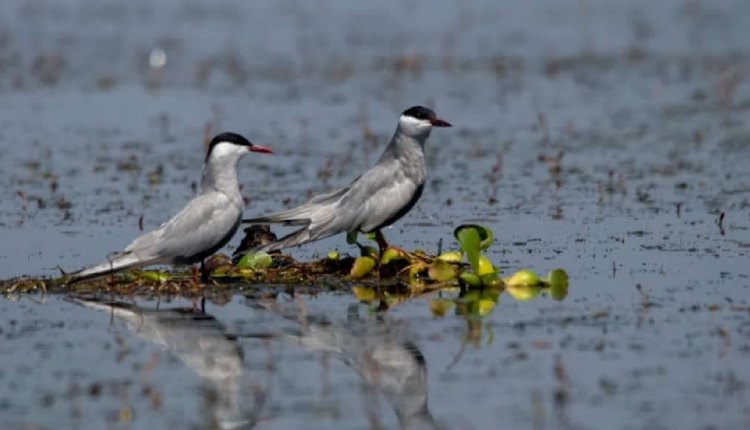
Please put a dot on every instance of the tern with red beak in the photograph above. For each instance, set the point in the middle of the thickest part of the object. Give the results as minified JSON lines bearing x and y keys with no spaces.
{"x":202,"y":227}
{"x":375,"y":199}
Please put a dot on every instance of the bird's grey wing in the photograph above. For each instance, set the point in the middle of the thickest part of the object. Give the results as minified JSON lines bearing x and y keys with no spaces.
{"x":377,"y":198}
{"x":199,"y":226}
{"x":304,"y":213}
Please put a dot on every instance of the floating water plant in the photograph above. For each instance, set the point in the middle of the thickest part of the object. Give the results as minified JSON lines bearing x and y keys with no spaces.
{"x":474,"y":239}
{"x":470,"y":284}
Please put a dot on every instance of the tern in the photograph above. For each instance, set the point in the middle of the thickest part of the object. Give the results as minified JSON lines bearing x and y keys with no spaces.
{"x":375,"y":199}
{"x":202,"y":227}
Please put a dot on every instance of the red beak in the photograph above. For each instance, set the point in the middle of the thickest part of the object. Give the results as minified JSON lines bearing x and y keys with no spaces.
{"x":261,"y":149}
{"x":440,"y":123}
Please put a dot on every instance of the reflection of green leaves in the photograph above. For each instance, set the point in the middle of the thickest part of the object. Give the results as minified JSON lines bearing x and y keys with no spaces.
{"x":363,"y":294}
{"x":440,"y":307}
{"x":477,"y":303}
{"x":523,"y":293}
{"x":255,"y":260}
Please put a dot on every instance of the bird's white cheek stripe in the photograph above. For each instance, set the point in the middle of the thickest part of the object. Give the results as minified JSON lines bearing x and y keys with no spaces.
{"x":223,"y":149}
{"x":412,"y":122}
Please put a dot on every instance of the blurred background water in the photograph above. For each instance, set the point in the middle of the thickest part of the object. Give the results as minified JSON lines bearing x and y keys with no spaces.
{"x":606,"y":138}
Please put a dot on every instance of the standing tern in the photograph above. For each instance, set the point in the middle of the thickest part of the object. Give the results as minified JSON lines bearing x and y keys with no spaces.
{"x":375,"y":199}
{"x":202,"y":227}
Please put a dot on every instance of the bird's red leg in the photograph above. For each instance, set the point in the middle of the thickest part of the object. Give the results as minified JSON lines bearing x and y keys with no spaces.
{"x":204,"y":273}
{"x":382,"y":244}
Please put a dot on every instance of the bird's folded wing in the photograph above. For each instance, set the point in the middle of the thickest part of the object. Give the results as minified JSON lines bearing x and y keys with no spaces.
{"x":303,"y":214}
{"x":378,"y":196}
{"x":204,"y":222}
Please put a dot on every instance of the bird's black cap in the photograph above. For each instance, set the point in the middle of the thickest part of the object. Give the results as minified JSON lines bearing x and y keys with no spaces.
{"x":420,"y":112}
{"x":426,"y":114}
{"x":234,"y":138}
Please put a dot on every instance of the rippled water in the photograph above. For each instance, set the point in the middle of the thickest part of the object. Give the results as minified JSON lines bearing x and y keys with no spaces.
{"x":603,"y":138}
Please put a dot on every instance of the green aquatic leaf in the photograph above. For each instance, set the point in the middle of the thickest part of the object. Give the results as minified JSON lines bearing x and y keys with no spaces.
{"x":255,"y":260}
{"x":362,"y":266}
{"x":441,"y":271}
{"x":451,"y":256}
{"x":155,"y":275}
{"x":523,"y":278}
{"x":491,"y":280}
{"x":485,"y":267}
{"x":392,"y":254}
{"x":333,"y":255}
{"x":469,"y":239}
{"x":486,"y":236}
{"x":557,"y":280}
{"x":470,"y":280}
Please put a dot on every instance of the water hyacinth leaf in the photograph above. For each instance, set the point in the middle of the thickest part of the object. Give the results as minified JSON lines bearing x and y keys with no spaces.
{"x":523,"y":293}
{"x":255,"y":260}
{"x":470,"y":279}
{"x":392,"y":254}
{"x":491,"y":280}
{"x":362,"y":266}
{"x":557,"y":277}
{"x":451,"y":256}
{"x":485,"y":267}
{"x":469,"y":239}
{"x":440,"y":271}
{"x":523,"y":278}
{"x":155,"y":276}
{"x":558,"y":284}
{"x":486,"y":236}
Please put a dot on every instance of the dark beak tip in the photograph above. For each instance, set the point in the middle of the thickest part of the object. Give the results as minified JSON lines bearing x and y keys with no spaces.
{"x":440,"y":123}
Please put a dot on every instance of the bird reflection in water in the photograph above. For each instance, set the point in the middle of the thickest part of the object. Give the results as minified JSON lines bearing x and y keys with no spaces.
{"x":201,"y":342}
{"x":388,"y":363}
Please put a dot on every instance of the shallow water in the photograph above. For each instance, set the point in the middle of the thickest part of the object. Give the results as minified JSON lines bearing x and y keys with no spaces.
{"x":603,"y":138}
